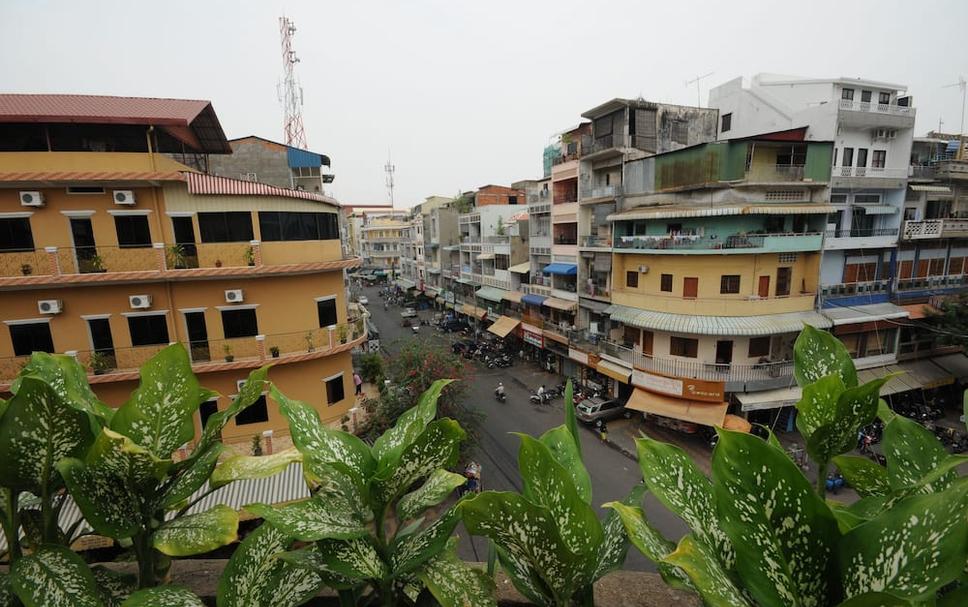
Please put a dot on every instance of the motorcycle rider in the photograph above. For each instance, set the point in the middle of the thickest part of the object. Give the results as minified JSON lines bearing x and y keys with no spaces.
{"x":499,"y":391}
{"x":541,"y":393}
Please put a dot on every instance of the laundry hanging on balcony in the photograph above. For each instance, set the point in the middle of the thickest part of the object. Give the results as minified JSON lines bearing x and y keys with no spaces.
{"x":562,"y":269}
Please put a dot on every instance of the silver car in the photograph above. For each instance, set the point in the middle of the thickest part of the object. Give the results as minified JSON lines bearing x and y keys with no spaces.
{"x":591,"y":410}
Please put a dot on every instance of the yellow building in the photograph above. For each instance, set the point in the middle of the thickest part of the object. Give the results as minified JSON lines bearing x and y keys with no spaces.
{"x":110,"y":250}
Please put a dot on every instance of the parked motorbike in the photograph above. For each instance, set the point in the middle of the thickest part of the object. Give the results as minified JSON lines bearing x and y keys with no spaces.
{"x":834,"y":482}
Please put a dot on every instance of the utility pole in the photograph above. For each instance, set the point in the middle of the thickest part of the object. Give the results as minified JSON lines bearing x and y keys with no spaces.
{"x":290,"y":93}
{"x":697,"y":81}
{"x":389,"y":168}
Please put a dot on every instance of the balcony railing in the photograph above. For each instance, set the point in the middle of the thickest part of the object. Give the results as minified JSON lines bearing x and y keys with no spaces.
{"x":566,"y":240}
{"x":731,"y":372}
{"x":873,"y":172}
{"x":935,"y":228}
{"x":879,"y":108}
{"x":604,"y":142}
{"x":117,"y":364}
{"x":734,"y":241}
{"x":932,"y":282}
{"x":601,"y":242}
{"x":855,"y":288}
{"x":595,"y":289}
{"x":861,"y":233}
{"x":601,"y":192}
{"x":778,"y":172}
{"x":541,"y":196}
{"x":923,"y":171}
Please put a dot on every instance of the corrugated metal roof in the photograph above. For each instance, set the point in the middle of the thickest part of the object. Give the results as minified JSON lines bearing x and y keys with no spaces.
{"x":491,"y":294}
{"x":764,"y":324}
{"x":202,"y":184}
{"x":521,"y":268}
{"x":866,"y":313}
{"x":668,"y":212}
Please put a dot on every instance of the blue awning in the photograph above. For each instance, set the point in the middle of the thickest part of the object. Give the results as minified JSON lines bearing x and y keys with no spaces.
{"x":305,"y":159}
{"x":564,"y":269}
{"x":534,"y":300}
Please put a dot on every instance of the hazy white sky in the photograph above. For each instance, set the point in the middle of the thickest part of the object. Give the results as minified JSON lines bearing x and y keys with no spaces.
{"x":465,"y":93}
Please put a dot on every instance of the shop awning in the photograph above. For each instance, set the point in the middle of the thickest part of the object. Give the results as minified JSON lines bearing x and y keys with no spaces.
{"x":614,"y":371}
{"x":670,"y":211}
{"x":562,"y":269}
{"x":878,"y":209}
{"x":561,"y":304}
{"x":504,"y":325}
{"x":486,"y":256}
{"x":901,"y":380}
{"x":534,"y":300}
{"x":707,"y":414}
{"x":521,"y":268}
{"x":595,"y":306}
{"x":433,"y":270}
{"x":474,"y":311}
{"x":919,"y":311}
{"x":736,"y":423}
{"x":937,"y":189}
{"x":867,"y":313}
{"x":764,"y":324}
{"x":928,"y":374}
{"x":769,"y":399}
{"x":955,"y":364}
{"x":405,"y":283}
{"x":512,"y":296}
{"x":491,"y":294}
{"x":465,"y":281}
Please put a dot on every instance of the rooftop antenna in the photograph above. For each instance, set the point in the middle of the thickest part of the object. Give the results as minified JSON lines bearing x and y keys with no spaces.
{"x":698,"y":81}
{"x":963,"y":85}
{"x":390,"y":169}
{"x":291,"y":94}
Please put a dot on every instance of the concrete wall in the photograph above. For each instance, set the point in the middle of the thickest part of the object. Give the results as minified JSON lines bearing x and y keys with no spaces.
{"x":266,"y":159}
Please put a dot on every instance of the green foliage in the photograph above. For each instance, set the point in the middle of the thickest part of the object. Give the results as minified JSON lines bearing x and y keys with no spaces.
{"x":371,"y":367}
{"x":762,"y":535}
{"x":361,"y":523}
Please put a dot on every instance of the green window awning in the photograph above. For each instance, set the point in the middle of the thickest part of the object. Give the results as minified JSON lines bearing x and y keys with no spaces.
{"x":492,"y":294}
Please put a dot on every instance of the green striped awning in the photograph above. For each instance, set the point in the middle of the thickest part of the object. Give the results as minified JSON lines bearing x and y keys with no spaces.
{"x":764,"y":324}
{"x":491,"y":294}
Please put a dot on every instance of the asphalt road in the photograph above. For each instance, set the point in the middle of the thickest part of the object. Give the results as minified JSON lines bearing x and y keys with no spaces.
{"x":613,"y":474}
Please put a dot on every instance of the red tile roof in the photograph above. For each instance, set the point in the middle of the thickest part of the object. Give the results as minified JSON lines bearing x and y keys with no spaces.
{"x":202,"y":184}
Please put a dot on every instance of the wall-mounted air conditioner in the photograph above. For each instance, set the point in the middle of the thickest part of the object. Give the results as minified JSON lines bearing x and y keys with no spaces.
{"x":31,"y":199}
{"x":139,"y":302}
{"x":643,"y":269}
{"x":50,"y":306}
{"x":124,"y":197}
{"x":234,"y":296}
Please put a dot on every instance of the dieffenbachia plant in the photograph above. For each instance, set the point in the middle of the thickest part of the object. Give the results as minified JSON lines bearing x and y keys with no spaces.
{"x":763,"y":535}
{"x":369,"y":522}
{"x":549,"y":539}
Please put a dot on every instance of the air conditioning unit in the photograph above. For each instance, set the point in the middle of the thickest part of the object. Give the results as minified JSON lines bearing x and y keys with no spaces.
{"x":139,"y":302}
{"x":643,"y":269}
{"x":31,"y":199}
{"x":124,"y":197}
{"x":234,"y":296}
{"x":50,"y":306}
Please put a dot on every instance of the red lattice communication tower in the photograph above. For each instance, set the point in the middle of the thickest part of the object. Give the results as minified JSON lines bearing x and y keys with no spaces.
{"x":291,"y":94}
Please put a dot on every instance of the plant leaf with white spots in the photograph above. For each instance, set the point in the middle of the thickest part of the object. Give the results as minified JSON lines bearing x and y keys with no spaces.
{"x":163,"y":596}
{"x":158,"y":415}
{"x":39,"y":429}
{"x":454,"y":583}
{"x":190,"y":479}
{"x":68,"y":379}
{"x":649,"y":541}
{"x":54,"y":576}
{"x":107,"y":503}
{"x":197,"y":533}
{"x":547,"y":483}
{"x":247,"y":467}
{"x":255,"y":577}
{"x":876,"y":599}
{"x":528,"y":537}
{"x":571,"y":420}
{"x":783,"y":533}
{"x":564,"y":448}
{"x":855,"y":407}
{"x":702,"y":566}
{"x":615,"y":540}
{"x":677,"y":482}
{"x":865,"y":476}
{"x":356,"y":560}
{"x":118,"y":456}
{"x":910,"y":550}
{"x":7,"y":597}
{"x":113,"y":587}
{"x":320,"y":444}
{"x":817,"y":354}
{"x":317,"y":518}
{"x":818,"y":404}
{"x":437,"y":447}
{"x":413,"y":550}
{"x":912,"y":453}
{"x":434,"y":490}
{"x":388,"y":448}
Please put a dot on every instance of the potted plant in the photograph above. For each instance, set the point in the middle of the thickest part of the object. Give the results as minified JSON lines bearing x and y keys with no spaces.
{"x":176,"y":257}
{"x":26,"y":269}
{"x":274,"y":351}
{"x":95,"y":263}
{"x":342,"y":333}
{"x":256,"y":448}
{"x":249,"y":256}
{"x":218,"y":263}
{"x":310,"y":346}
{"x":227,"y":350}
{"x":99,"y":363}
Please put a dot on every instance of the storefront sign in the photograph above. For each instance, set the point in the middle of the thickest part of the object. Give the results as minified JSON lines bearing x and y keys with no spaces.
{"x":532,"y":335}
{"x":578,"y":355}
{"x":693,"y":389}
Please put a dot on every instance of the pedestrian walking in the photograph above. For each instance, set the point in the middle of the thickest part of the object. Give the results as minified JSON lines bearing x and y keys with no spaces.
{"x":603,"y":431}
{"x":358,"y":381}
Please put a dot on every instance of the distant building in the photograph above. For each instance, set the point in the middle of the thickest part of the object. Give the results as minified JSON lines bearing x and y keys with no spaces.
{"x":258,"y":159}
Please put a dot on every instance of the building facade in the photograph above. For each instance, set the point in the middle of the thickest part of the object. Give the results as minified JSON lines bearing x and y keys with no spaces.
{"x":258,"y":159}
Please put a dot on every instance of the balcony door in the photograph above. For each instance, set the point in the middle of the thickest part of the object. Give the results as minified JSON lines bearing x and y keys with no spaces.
{"x":763,"y":289}
{"x":85,"y":249}
{"x":197,"y":336}
{"x":184,"y":231}
{"x":102,"y":344}
{"x":690,"y":287}
{"x":724,"y":352}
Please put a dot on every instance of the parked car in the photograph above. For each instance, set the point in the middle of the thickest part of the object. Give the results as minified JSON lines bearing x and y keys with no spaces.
{"x":591,"y":410}
{"x":363,"y":300}
{"x":408,"y":313}
{"x":453,"y":325}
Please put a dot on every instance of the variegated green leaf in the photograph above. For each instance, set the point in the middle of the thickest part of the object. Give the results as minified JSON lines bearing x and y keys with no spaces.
{"x":765,"y":504}
{"x":39,"y":429}
{"x":191,"y":478}
{"x":254,"y":577}
{"x":571,"y":421}
{"x":158,"y":416}
{"x":525,"y":578}
{"x":564,"y":449}
{"x":855,"y":407}
{"x":317,"y":518}
{"x":163,"y":596}
{"x":527,"y":536}
{"x":310,"y":559}
{"x":615,"y":540}
{"x":412,"y":551}
{"x":118,"y":456}
{"x":865,"y":476}
{"x":109,"y":505}
{"x":246,"y":467}
{"x":702,"y":565}
{"x":251,"y":390}
{"x":197,"y":533}
{"x":547,"y":483}
{"x":437,"y":447}
{"x":818,"y":354}
{"x":355,"y":559}
{"x":649,"y":541}
{"x":389,"y":447}
{"x":910,"y":550}
{"x":454,"y":583}
{"x":434,"y":490}
{"x":876,"y":599}
{"x":677,"y":482}
{"x":912,"y":453}
{"x":53,"y":576}
{"x":113,"y":587}
{"x":817,"y":407}
{"x":320,"y":444}
{"x":68,"y":379}
{"x":847,"y":518}
{"x":7,"y":597}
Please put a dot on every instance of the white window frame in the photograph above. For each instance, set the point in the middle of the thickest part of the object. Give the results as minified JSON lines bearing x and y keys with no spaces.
{"x":129,"y":213}
{"x":81,"y":214}
{"x":325,"y":380}
{"x":26,"y":321}
{"x":17,"y":215}
{"x":238,"y":307}
{"x":149,"y":313}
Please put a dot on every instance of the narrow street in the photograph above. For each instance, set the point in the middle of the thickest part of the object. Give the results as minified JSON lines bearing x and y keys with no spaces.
{"x":613,"y":473}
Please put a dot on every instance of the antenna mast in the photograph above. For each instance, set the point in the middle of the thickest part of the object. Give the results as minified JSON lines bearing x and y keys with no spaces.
{"x":697,"y":81}
{"x":291,"y":95}
{"x":963,"y":85}
{"x":390,"y":169}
